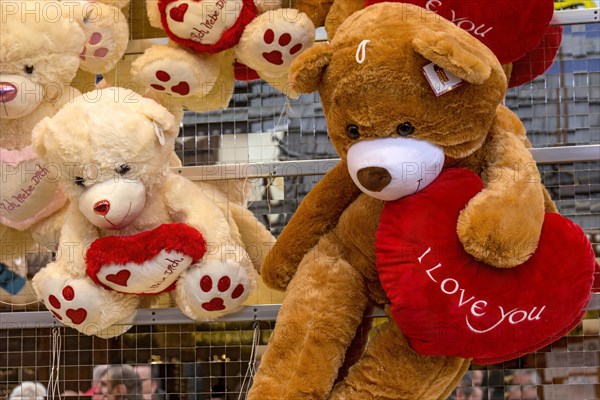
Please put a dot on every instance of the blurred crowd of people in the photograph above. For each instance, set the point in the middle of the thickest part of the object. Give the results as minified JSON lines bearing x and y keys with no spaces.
{"x":518,"y":384}
{"x":109,"y":382}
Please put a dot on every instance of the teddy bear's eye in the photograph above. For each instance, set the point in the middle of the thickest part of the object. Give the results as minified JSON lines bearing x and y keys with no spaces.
{"x":79,"y":181}
{"x":28,"y":69}
{"x":405,"y":129}
{"x":123,"y":169}
{"x":353,"y":132}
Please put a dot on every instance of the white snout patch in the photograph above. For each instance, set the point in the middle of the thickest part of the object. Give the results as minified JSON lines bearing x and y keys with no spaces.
{"x":411,"y":163}
{"x":18,"y":96}
{"x":113,"y":204}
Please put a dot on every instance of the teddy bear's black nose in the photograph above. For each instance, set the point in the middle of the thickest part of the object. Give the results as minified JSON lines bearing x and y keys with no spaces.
{"x":8,"y":92}
{"x":374,"y":179}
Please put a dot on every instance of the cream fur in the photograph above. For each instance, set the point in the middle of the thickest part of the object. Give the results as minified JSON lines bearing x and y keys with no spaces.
{"x":211,"y":76}
{"x":49,"y":36}
{"x":118,"y":127}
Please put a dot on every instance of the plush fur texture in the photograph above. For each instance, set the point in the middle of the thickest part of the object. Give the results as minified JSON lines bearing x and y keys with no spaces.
{"x":329,"y":289}
{"x":40,"y":47}
{"x":89,"y":141}
{"x":329,"y":13}
{"x":264,"y":37}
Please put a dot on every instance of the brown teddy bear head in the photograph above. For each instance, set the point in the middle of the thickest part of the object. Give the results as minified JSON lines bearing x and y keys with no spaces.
{"x":372,"y":83}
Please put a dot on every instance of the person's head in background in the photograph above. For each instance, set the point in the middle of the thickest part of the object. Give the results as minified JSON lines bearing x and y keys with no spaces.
{"x":97,"y":373}
{"x":522,"y":393}
{"x":28,"y":391}
{"x":120,"y":382}
{"x":149,"y":384}
{"x":525,"y":377}
{"x":477,"y":377}
{"x":469,"y":393}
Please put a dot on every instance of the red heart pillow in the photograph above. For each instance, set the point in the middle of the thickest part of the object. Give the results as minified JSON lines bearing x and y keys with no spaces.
{"x":211,"y":27}
{"x":509,"y":28}
{"x":146,"y":263}
{"x":449,"y":304}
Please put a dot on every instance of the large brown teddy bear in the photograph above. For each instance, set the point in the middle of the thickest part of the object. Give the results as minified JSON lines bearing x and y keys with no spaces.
{"x":371,"y":81}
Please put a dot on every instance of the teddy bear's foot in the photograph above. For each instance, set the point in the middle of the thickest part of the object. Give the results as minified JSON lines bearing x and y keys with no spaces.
{"x":78,"y":303}
{"x":107,"y":35}
{"x":212,"y":289}
{"x":176,"y":72}
{"x":390,"y":369}
{"x":273,"y":40}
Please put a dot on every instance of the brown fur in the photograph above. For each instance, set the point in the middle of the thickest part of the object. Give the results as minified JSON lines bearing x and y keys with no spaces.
{"x":330,"y":288}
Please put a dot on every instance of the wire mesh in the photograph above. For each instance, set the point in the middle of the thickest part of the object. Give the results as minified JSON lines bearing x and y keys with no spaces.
{"x":211,"y":360}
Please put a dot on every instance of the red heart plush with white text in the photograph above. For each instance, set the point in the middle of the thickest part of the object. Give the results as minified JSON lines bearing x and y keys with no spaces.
{"x":206,"y":26}
{"x":147,"y":263}
{"x":509,"y":28}
{"x":449,"y":304}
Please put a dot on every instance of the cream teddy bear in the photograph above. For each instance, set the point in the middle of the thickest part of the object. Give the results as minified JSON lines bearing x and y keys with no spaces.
{"x":43,"y":44}
{"x":148,"y":229}
{"x":214,"y":42}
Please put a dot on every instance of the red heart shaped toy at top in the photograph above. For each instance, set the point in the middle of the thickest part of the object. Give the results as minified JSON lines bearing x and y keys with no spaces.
{"x":516,"y":32}
{"x":206,"y":26}
{"x":146,"y":263}
{"x":449,"y":304}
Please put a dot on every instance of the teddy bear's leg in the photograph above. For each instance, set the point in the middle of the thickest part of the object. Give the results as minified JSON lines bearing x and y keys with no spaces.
{"x":107,"y":34}
{"x":318,"y":319}
{"x":77,"y":302}
{"x":273,"y":40}
{"x":177,"y":72}
{"x":389,"y":369}
{"x":213,"y":288}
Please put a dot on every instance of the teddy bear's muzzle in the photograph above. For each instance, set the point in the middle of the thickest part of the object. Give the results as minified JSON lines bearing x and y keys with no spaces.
{"x":113,"y":204}
{"x":391,"y":168}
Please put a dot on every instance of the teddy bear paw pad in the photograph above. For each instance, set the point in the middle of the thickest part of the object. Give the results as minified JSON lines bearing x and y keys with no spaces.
{"x":276,"y":57}
{"x":213,"y":287}
{"x":170,"y":78}
{"x":73,"y":301}
{"x":271,"y":46}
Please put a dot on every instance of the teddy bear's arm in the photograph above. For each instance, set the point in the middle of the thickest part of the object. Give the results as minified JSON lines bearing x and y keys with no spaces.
{"x":76,"y":234}
{"x":187,"y":203}
{"x":317,"y":214}
{"x":502,"y":224}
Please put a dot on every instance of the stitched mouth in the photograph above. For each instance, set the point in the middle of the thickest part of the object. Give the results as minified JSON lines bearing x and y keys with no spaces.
{"x":118,"y":225}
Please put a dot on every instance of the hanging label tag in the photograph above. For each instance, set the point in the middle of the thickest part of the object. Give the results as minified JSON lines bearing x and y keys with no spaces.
{"x":159,"y":133}
{"x":440,"y":80}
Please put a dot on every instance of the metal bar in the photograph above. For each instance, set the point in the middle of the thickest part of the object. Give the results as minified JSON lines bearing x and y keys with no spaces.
{"x":580,"y":16}
{"x":546,"y":155}
{"x":257,"y":170}
{"x":551,"y":155}
{"x":169,"y":316}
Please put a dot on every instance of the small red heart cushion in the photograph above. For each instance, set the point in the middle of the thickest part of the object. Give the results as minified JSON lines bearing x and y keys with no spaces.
{"x":509,"y":28}
{"x":449,"y":304}
{"x":146,"y":263}
{"x":206,"y":26}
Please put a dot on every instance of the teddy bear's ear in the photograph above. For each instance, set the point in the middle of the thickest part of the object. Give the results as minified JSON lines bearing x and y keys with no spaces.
{"x":164,"y":122}
{"x":307,"y":70}
{"x":37,"y":137}
{"x":462,"y":58}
